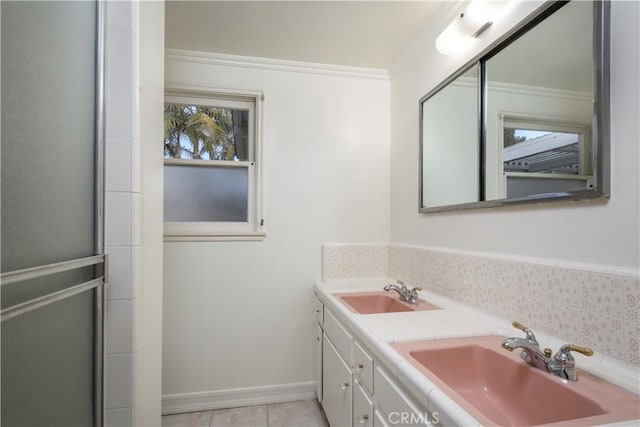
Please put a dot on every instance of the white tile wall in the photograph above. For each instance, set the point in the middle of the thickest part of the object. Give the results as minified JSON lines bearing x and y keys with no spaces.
{"x":120,"y":15}
{"x":119,"y":54}
{"x":137,"y":385}
{"x":136,"y":165}
{"x":121,"y":279}
{"x":136,"y":219}
{"x":118,"y":164}
{"x":136,"y":260}
{"x":123,"y":213}
{"x":596,"y":306}
{"x":118,"y":417}
{"x":119,"y":314}
{"x":136,"y":320}
{"x":119,"y":108}
{"x":118,"y":218}
{"x":118,"y":371}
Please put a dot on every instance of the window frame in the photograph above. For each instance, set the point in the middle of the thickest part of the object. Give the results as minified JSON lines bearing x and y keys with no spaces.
{"x":253,"y":228}
{"x":530,"y":122}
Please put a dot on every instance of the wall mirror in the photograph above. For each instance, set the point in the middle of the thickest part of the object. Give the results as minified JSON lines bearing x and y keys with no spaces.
{"x":525,"y":121}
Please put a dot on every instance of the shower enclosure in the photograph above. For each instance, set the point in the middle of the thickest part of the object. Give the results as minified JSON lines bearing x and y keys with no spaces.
{"x":52,"y":233}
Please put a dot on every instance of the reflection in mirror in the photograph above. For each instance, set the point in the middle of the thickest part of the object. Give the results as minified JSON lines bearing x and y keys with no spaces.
{"x":538,"y":159}
{"x":539,"y":108}
{"x":542,"y":131}
{"x":450,"y":153}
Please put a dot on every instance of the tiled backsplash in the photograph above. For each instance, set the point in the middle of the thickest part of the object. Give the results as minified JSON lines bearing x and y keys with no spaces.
{"x":581,"y":306}
{"x":348,"y":261}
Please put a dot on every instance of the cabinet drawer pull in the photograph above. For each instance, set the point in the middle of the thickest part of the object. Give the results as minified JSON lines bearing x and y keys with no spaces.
{"x":344,"y":385}
{"x":359,"y":366}
{"x":363,"y":419}
{"x":317,"y":338}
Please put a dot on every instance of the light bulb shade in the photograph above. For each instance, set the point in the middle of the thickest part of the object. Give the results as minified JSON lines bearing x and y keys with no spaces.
{"x":478,"y":15}
{"x":453,"y":39}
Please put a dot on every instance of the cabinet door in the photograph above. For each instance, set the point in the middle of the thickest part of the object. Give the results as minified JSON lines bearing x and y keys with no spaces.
{"x":394,"y":403}
{"x":319,"y":312}
{"x":363,"y":366}
{"x":336,"y":386}
{"x":317,"y":362}
{"x":362,"y":407}
{"x":378,"y":420}
{"x":339,"y":336}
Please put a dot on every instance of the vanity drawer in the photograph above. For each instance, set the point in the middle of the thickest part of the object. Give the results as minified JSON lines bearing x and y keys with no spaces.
{"x":319,"y":311}
{"x":338,"y":335}
{"x":363,"y":366}
{"x":392,"y":401}
{"x":362,"y":407}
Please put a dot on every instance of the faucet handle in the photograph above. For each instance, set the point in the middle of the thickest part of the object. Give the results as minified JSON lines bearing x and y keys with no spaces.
{"x":401,"y":283}
{"x":518,"y":325}
{"x":565,"y":361}
{"x":582,"y":350}
{"x":563,"y":353}
{"x":528,"y":332}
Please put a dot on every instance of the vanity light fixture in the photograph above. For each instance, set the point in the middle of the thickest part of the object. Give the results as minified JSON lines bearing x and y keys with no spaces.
{"x":469,"y":24}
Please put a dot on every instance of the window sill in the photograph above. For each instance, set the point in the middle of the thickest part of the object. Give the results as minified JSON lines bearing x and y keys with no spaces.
{"x":249,"y":236}
{"x":206,"y":232}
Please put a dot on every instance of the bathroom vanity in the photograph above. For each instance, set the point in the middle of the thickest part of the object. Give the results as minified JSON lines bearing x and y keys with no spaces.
{"x":371,"y":369}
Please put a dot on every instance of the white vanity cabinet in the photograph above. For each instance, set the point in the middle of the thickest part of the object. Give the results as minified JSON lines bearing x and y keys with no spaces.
{"x":317,"y":351}
{"x":336,"y":386}
{"x":355,"y":389}
{"x":317,"y":360}
{"x":363,"y":366}
{"x":339,"y":336}
{"x":394,"y":403}
{"x":362,"y":407}
{"x":319,"y":312}
{"x":378,"y":419}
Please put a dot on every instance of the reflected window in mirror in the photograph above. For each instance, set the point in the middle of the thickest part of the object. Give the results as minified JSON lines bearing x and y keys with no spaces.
{"x":544,"y":157}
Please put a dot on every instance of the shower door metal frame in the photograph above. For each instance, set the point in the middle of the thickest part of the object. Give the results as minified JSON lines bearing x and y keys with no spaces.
{"x":99,"y":259}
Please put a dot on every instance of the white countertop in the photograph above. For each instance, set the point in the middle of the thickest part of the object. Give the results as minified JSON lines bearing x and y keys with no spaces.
{"x":454,"y":320}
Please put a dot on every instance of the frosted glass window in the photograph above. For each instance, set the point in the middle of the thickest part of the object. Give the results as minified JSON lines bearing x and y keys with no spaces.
{"x":201,"y":193}
{"x":212,"y":165}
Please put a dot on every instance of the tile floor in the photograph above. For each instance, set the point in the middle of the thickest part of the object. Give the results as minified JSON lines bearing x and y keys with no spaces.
{"x":305,"y":413}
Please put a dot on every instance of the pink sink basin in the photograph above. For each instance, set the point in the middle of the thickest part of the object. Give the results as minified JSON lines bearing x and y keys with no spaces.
{"x":497,"y":388}
{"x":380,"y":302}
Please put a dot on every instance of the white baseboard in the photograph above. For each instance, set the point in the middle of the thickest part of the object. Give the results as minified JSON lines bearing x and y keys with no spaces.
{"x":237,"y":397}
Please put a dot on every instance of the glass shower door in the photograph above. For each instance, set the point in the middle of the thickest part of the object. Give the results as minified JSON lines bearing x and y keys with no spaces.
{"x":52,"y":257}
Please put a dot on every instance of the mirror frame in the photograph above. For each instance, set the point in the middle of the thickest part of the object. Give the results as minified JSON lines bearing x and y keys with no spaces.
{"x":601,"y":143}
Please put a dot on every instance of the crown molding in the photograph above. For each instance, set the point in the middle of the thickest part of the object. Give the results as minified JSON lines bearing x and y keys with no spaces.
{"x":255,"y":63}
{"x":540,"y":91}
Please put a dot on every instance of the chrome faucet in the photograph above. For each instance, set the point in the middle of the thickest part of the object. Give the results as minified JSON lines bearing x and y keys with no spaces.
{"x":562,"y":364}
{"x":406,"y":295}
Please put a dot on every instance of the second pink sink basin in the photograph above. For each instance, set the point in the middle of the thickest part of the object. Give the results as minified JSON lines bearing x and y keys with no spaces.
{"x":498,"y":388}
{"x":380,"y":302}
